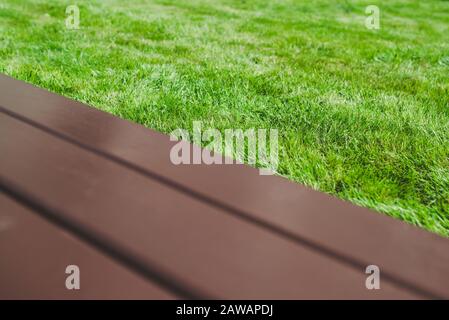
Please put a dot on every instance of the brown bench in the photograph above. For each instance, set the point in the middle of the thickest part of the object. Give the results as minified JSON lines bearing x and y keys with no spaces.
{"x":80,"y":186}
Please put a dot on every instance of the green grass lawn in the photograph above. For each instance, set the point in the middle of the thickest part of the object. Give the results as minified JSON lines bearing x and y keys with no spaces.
{"x":362,"y":114}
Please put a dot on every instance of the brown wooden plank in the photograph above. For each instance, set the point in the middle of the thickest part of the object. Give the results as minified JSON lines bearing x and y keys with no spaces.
{"x":197,"y":246}
{"x":356,"y":235}
{"x":35,"y":254}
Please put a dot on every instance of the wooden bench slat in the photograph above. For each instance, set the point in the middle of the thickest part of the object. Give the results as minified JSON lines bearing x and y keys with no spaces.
{"x":172,"y":235}
{"x":34,"y":256}
{"x":354,"y":234}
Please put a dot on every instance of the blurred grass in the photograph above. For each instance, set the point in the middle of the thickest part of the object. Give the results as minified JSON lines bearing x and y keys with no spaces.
{"x":362,"y":114}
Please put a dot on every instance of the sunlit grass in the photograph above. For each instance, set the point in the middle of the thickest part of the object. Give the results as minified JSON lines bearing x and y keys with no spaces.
{"x":361,"y":114}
